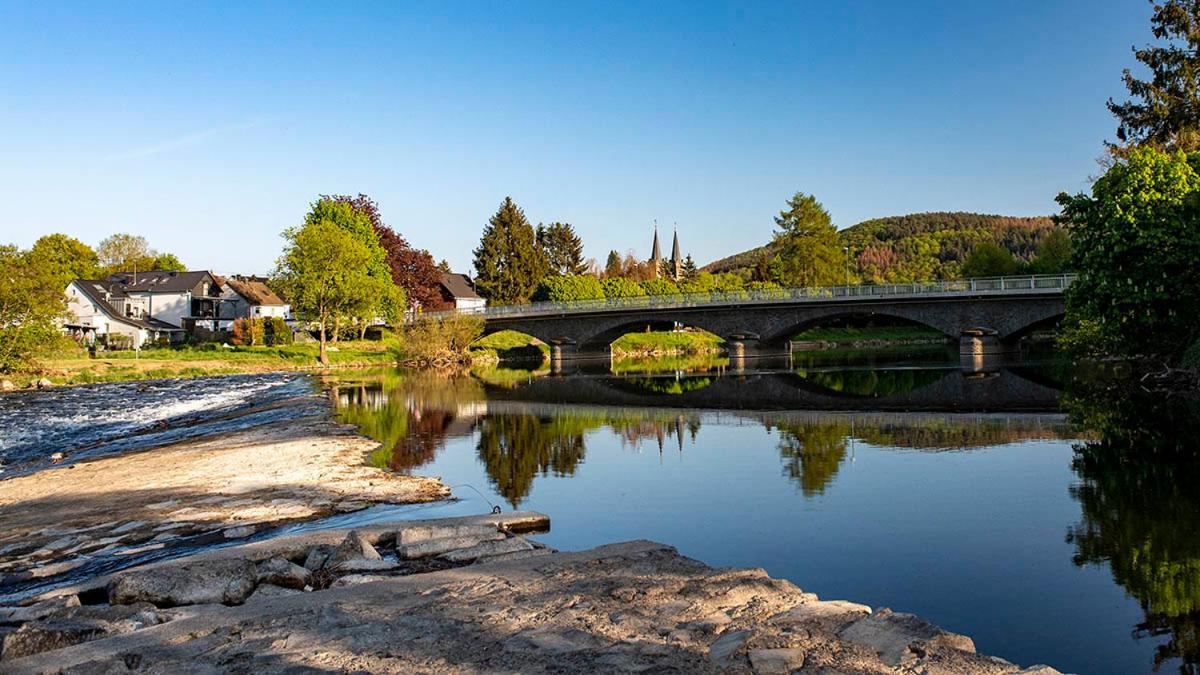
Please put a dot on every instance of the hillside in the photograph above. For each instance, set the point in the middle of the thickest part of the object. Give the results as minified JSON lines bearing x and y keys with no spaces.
{"x":917,"y":246}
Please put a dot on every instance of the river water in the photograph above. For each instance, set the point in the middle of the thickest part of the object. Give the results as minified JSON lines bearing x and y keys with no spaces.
{"x":1051,"y":514}
{"x":1050,"y":532}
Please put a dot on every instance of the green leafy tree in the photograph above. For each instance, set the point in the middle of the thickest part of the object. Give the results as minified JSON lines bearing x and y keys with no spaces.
{"x":123,"y":253}
{"x":168,"y":261}
{"x":612,"y":266}
{"x":32,"y":306}
{"x":64,"y":258}
{"x":689,"y":269}
{"x":620,"y":287}
{"x":1053,"y":254}
{"x":562,"y":247}
{"x":508,"y":262}
{"x":1136,"y":243}
{"x":323,"y":268}
{"x":808,"y":250}
{"x":569,"y":289}
{"x":988,"y":259}
{"x":660,"y":287}
{"x":1165,"y":110}
{"x":376,"y":294}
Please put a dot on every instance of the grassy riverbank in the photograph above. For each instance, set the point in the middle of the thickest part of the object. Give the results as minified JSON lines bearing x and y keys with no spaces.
{"x":876,"y":334}
{"x":76,"y":367}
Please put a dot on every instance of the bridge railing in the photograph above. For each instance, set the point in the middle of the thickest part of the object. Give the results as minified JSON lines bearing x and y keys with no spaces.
{"x":1033,"y":284}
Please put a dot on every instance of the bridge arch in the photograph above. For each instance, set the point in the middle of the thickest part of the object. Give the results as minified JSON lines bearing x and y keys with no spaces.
{"x":852,"y":315}
{"x":602,"y":339}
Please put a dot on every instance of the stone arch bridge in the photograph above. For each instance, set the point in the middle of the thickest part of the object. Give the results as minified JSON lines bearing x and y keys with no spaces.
{"x":987,"y":315}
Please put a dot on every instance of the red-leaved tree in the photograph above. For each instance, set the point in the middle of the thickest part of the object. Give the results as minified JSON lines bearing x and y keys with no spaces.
{"x":413,"y":269}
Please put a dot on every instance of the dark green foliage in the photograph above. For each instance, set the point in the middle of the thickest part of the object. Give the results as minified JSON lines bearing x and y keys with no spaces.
{"x":516,"y":448}
{"x":612,"y":266}
{"x":562,"y":247}
{"x":1136,"y":242}
{"x":569,"y":289}
{"x":277,"y":331}
{"x":508,"y":263}
{"x":1165,"y":110}
{"x":1053,"y":254}
{"x":689,"y":268}
{"x":989,"y":260}
{"x":807,"y":250}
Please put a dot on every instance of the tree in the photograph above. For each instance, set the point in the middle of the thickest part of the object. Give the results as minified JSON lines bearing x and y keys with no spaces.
{"x":32,"y":305}
{"x":444,"y":266}
{"x":167,"y":261}
{"x":1053,"y":254}
{"x":323,"y":268}
{"x":612,"y":266}
{"x":620,"y":287}
{"x":1165,"y":110}
{"x":570,"y":288}
{"x":412,"y":269}
{"x":64,"y":258}
{"x":375,"y":295}
{"x":660,"y":287}
{"x":808,"y":250}
{"x":988,"y":259}
{"x":562,"y":247}
{"x":1136,"y":243}
{"x":508,"y":262}
{"x":122,"y":253}
{"x":689,"y":268}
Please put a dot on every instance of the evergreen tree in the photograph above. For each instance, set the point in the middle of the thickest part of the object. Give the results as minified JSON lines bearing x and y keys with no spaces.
{"x":444,"y":266}
{"x":562,"y":247}
{"x":1165,"y":112}
{"x":689,"y":268}
{"x":612,"y":266}
{"x":508,"y":262}
{"x":809,"y":251}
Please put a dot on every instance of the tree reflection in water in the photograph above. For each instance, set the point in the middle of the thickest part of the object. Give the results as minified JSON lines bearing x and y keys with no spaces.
{"x":812,"y":453}
{"x":1141,"y":508}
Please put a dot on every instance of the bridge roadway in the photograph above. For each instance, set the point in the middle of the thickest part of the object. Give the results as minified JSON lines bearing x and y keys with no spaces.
{"x":986,"y":315}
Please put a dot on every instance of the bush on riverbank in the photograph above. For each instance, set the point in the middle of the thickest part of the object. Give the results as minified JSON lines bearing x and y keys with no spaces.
{"x":439,"y":341}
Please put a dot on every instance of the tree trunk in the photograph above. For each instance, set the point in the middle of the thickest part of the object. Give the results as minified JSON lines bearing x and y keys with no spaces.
{"x":322,"y":356}
{"x":362,"y":334}
{"x":337,"y":328}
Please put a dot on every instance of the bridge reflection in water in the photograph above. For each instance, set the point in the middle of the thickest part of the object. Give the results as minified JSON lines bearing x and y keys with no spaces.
{"x":1131,"y":507}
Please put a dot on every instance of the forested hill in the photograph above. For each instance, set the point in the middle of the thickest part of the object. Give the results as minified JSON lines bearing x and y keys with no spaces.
{"x":919,"y":245}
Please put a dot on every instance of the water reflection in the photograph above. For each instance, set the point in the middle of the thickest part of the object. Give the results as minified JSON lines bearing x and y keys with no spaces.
{"x":1141,"y":508}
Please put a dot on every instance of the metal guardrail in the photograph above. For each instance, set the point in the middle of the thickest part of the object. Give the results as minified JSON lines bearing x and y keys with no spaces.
{"x":1032,"y":285}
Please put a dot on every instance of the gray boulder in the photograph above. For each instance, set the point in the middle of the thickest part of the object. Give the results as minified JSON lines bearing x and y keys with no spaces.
{"x":280,"y":571}
{"x":317,"y":556}
{"x":354,"y":553}
{"x":227,"y":582}
{"x":36,"y":637}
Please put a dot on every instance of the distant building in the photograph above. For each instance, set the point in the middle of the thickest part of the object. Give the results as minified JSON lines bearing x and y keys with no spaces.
{"x":673,"y":267}
{"x":458,"y":291}
{"x":136,"y":308}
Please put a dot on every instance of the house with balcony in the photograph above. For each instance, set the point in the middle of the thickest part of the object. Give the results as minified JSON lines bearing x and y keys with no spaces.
{"x":101,"y":311}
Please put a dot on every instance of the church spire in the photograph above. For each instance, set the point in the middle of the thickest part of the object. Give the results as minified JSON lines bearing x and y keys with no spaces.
{"x":655,"y":252}
{"x":676,"y":258}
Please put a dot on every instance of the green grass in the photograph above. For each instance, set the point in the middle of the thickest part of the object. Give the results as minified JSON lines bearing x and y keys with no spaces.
{"x":865,"y":333}
{"x":507,"y":345}
{"x":666,"y":342}
{"x":76,"y":367}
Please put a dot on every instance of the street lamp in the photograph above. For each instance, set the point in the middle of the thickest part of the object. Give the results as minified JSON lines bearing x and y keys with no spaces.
{"x":846,"y":251}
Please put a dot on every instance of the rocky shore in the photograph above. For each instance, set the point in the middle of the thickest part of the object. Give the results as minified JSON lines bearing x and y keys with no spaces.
{"x":106,"y":512}
{"x":463,"y":595}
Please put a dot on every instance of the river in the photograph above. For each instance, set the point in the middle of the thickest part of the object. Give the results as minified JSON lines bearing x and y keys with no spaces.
{"x":1048,"y":513}
{"x":968,"y":496}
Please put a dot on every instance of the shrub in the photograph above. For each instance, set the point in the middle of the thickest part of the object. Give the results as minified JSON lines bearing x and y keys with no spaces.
{"x":248,"y":332}
{"x":620,"y":287}
{"x":660,"y":287}
{"x":440,"y":340}
{"x":276,"y":331}
{"x":569,"y":288}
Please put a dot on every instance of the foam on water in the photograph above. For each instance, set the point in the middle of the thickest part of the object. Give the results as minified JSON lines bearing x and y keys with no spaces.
{"x":36,"y":424}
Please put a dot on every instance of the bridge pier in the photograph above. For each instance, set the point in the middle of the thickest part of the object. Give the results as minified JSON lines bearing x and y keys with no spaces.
{"x":979,"y":343}
{"x":561,"y":350}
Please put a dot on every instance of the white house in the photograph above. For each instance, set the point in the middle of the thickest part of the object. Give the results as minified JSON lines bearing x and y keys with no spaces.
{"x":103,"y":310}
{"x":458,"y":291}
{"x":250,"y":297}
{"x":176,"y":298}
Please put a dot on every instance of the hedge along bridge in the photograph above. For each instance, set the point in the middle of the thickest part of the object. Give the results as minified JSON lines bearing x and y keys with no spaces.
{"x":987,"y":315}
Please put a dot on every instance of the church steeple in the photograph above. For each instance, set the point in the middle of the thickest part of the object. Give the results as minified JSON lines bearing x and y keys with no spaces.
{"x":655,"y":252}
{"x":676,"y":258}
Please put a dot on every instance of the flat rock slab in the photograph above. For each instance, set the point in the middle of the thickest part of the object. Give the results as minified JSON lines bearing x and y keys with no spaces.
{"x":892,"y":634}
{"x":195,"y":583}
{"x":562,"y":612}
{"x":488,"y":549}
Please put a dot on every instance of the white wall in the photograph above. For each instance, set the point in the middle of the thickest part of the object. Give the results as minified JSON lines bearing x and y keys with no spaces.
{"x":168,"y":307}
{"x":85,"y":312}
{"x":469,"y":303}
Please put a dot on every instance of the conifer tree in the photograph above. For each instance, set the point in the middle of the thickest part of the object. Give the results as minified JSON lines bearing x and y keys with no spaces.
{"x":689,"y":268}
{"x":562,"y":247}
{"x":809,"y":252}
{"x":612,"y":266}
{"x":508,"y":262}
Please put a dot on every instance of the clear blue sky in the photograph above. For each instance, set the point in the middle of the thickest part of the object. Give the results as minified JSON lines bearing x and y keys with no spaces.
{"x":209,"y":127}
